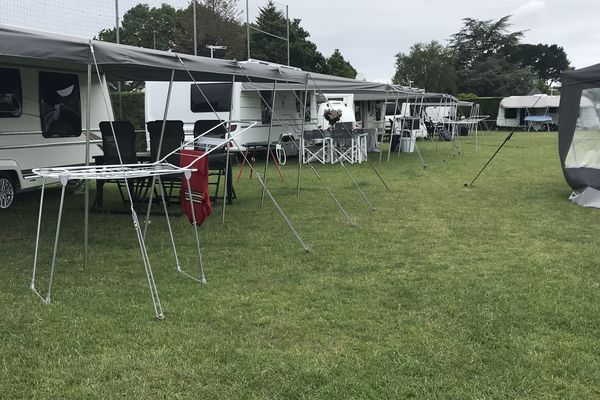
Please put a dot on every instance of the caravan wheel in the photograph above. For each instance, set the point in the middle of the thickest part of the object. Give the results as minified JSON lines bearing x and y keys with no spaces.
{"x":7,"y":190}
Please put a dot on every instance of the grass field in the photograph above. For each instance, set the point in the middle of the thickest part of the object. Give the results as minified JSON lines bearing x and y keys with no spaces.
{"x":444,"y":292}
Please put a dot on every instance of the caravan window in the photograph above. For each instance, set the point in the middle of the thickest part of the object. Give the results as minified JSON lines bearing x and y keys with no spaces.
{"x":217,"y":94}
{"x":266,"y":105}
{"x":510,"y":113}
{"x":11,"y":97}
{"x":60,"y":104}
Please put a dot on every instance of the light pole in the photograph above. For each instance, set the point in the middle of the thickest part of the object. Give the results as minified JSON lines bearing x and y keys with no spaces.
{"x":157,"y":29}
{"x":213,"y":47}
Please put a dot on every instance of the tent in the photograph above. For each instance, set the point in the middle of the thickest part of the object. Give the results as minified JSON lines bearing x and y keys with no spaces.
{"x":579,"y":133}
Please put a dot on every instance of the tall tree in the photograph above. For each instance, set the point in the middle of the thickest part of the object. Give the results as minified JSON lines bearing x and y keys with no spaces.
{"x":143,"y":26}
{"x":494,"y":76}
{"x":337,"y":65}
{"x":263,"y":46}
{"x":547,"y":61}
{"x":478,"y":40}
{"x":214,"y":27}
{"x":429,"y":66}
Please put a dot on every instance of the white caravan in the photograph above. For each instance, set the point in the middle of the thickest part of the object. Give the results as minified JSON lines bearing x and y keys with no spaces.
{"x":513,"y":110}
{"x":42,"y":122}
{"x":408,"y":115}
{"x":219,"y":101}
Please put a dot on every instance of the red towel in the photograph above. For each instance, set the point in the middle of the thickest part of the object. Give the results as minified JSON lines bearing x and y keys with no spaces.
{"x":198,"y":184}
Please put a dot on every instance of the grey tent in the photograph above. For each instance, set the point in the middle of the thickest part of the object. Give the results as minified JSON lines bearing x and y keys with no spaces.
{"x":579,"y":133}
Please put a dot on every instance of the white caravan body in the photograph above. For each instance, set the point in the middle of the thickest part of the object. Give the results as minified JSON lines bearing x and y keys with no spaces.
{"x":230,"y":101}
{"x":43,"y":119}
{"x":513,"y":110}
{"x":407,"y":114}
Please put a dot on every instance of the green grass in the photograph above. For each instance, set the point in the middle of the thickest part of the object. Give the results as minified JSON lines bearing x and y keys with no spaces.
{"x":444,"y":292}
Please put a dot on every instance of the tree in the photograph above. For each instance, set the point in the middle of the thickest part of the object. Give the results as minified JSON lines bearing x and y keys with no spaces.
{"x":547,"y":61}
{"x":337,"y":65}
{"x":429,"y":66}
{"x":303,"y":52}
{"x":478,"y":40}
{"x":214,"y":27}
{"x":494,"y":76}
{"x":143,"y":26}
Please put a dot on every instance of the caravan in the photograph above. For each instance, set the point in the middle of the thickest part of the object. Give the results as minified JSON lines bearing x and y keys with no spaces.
{"x":514,"y":110}
{"x":215,"y":102}
{"x":42,"y":122}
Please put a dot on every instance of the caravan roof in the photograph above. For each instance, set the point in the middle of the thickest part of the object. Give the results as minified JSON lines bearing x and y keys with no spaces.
{"x":537,"y":101}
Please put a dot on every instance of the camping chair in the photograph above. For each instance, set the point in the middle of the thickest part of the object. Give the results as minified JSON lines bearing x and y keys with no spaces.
{"x":316,"y":147}
{"x":344,"y":144}
{"x":125,"y":137}
{"x":217,"y":161}
{"x":172,"y":139}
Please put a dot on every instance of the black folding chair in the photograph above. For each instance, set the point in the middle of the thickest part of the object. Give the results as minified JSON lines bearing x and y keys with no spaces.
{"x":172,"y":139}
{"x":125,"y":138}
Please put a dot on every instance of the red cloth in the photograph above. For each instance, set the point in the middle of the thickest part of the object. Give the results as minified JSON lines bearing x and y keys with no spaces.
{"x":198,"y":184}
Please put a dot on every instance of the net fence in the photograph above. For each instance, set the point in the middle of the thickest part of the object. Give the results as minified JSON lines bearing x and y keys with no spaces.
{"x":80,"y":18}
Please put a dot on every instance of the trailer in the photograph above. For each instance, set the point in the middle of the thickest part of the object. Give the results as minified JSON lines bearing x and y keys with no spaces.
{"x":43,"y":121}
{"x":513,"y":110}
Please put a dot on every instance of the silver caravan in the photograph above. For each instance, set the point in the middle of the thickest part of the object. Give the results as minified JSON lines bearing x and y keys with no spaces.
{"x":42,"y":121}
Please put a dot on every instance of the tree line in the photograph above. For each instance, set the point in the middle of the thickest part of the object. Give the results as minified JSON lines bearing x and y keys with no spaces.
{"x":483,"y":59}
{"x":218,"y":23}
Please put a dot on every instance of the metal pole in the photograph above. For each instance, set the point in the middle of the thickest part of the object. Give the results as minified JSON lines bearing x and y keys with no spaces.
{"x":118,"y":41}
{"x":287,"y":18}
{"x":301,"y":150}
{"x":117,"y":20}
{"x":226,"y":193}
{"x":86,"y":211}
{"x":158,"y":155}
{"x":247,"y":31}
{"x":195,"y":32}
{"x":262,"y":195}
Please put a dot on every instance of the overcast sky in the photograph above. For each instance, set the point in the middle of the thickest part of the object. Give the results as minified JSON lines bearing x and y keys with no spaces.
{"x":368,"y":34}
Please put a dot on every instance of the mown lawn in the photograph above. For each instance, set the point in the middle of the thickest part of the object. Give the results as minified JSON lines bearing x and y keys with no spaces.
{"x":444,"y":292}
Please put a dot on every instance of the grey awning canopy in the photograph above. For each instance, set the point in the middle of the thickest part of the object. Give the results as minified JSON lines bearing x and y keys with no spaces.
{"x":321,"y":83}
{"x":121,"y":62}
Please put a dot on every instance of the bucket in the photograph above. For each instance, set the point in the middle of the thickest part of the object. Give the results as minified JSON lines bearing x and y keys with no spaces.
{"x":407,"y":144}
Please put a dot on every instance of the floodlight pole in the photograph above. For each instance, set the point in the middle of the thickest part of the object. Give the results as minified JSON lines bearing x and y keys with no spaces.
{"x":195,"y":31}
{"x":287,"y":18}
{"x":247,"y":31}
{"x":118,"y":41}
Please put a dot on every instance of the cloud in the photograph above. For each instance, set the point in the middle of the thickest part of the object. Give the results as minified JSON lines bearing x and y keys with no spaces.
{"x":528,"y":10}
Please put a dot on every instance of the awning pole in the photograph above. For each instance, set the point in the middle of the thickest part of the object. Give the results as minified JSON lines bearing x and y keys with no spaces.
{"x":262,"y":194}
{"x":158,"y":157}
{"x":226,"y":193}
{"x":301,"y":151}
{"x":86,"y":212}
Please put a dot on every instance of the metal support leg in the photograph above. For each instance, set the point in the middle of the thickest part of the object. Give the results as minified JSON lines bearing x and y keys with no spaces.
{"x":37,"y":240}
{"x":202,"y":278}
{"x":63,"y":182}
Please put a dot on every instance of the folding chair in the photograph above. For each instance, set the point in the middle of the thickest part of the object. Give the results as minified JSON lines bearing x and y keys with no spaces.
{"x":173,"y":137}
{"x":316,"y":147}
{"x":125,"y":139}
{"x":344,"y":145}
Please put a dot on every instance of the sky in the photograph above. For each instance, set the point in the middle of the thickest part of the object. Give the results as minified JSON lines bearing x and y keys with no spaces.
{"x":368,"y":34}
